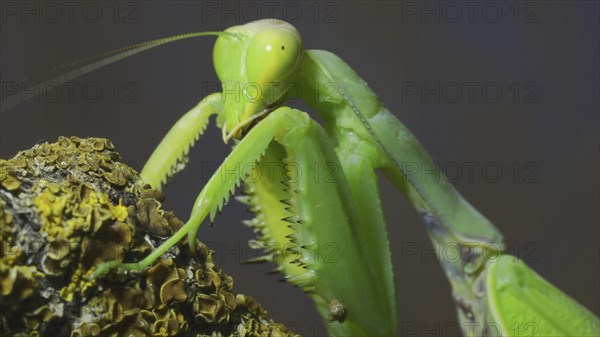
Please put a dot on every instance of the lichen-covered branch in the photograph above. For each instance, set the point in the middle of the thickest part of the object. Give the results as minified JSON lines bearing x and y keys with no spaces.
{"x":68,"y":206}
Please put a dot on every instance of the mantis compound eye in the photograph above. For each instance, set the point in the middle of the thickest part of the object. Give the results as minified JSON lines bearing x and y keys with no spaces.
{"x":273,"y":56}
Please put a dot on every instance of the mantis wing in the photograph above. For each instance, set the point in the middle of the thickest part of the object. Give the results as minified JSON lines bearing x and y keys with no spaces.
{"x":522,"y":303}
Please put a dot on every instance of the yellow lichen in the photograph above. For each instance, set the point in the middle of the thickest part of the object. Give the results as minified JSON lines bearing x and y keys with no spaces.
{"x":10,"y":183}
{"x":68,"y":206}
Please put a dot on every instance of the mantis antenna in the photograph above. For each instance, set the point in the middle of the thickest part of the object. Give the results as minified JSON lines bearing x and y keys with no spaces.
{"x":93,"y":63}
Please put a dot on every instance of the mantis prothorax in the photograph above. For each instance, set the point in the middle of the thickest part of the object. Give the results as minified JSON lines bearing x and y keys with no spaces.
{"x":356,"y":294}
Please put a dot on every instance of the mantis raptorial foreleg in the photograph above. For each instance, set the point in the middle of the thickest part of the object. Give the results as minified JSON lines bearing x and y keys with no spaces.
{"x":219,"y":187}
{"x":170,"y":155}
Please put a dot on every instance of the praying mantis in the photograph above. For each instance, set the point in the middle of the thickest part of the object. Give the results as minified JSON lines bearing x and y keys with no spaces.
{"x":358,"y":135}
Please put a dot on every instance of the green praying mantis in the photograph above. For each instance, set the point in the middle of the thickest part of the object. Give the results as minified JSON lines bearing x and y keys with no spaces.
{"x":264,"y":61}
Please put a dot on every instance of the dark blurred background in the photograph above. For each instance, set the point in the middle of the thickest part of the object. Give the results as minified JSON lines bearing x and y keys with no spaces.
{"x":504,"y":95}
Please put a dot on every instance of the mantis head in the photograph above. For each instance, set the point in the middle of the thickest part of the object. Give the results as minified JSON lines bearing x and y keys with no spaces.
{"x":257,"y":63}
